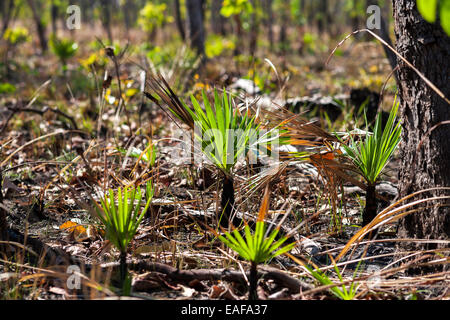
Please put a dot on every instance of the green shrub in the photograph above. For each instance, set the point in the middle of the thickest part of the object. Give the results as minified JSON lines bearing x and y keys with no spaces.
{"x":16,"y":36}
{"x":64,"y":49}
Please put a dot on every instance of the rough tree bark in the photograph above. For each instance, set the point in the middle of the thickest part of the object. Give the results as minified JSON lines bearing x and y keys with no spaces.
{"x":195,"y":25}
{"x":427,"y":47}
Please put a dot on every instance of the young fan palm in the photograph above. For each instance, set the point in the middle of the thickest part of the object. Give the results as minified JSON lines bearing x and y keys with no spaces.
{"x":121,"y":220}
{"x":64,"y":49}
{"x":223,"y":133}
{"x":371,"y":155}
{"x":258,"y":247}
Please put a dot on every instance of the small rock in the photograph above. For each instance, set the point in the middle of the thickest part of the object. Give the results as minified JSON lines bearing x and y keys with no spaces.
{"x":246,"y":85}
{"x":310,"y":246}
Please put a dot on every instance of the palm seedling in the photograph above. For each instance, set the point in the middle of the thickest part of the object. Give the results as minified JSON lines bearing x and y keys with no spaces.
{"x":224,"y":134}
{"x":64,"y":49}
{"x":257,"y":247}
{"x":341,"y":291}
{"x":371,"y":155}
{"x":120,"y":214}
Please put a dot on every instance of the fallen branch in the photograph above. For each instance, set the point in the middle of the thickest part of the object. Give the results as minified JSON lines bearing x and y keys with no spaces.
{"x":59,"y":257}
{"x":293,"y":284}
{"x":41,"y":113}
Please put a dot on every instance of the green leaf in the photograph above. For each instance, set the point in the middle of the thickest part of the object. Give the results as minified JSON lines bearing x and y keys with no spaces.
{"x":445,"y":16}
{"x":372,"y":154}
{"x":7,"y":88}
{"x":122,"y":220}
{"x":427,"y":9}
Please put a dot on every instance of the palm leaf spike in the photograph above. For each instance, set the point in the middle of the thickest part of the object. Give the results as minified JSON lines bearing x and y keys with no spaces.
{"x":163,"y":90}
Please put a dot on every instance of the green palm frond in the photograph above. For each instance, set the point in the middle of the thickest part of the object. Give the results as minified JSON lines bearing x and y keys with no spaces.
{"x":224,"y":132}
{"x":259,"y":246}
{"x":64,"y":49}
{"x":371,"y":155}
{"x":256,"y":247}
{"x":121,"y":220}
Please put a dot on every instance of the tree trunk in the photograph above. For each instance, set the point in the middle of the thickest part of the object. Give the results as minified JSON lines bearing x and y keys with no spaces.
{"x":253,"y":279}
{"x":227,"y":201}
{"x":254,"y":30}
{"x":285,"y":21}
{"x":40,"y":27}
{"x":123,"y":270}
{"x":87,"y":8}
{"x":239,"y":35}
{"x":217,"y":20}
{"x":427,"y":47}
{"x":8,"y":9}
{"x":310,"y":17}
{"x":195,"y":25}
{"x":269,"y":23}
{"x":128,"y":10}
{"x":370,"y":211}
{"x":54,"y":12}
{"x":322,"y":22}
{"x":179,"y":19}
{"x":3,"y":225}
{"x":385,"y":35}
{"x":106,"y":19}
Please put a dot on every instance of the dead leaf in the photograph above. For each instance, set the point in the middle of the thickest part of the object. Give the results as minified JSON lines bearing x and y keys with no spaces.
{"x":76,"y":232}
{"x":216,"y":291}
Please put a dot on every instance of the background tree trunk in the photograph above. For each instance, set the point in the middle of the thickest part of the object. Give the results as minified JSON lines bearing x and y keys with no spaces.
{"x":283,"y":40}
{"x":427,"y":47}
{"x":195,"y":25}
{"x":323,"y":21}
{"x":54,"y":13}
{"x":128,"y":8}
{"x":370,"y":210}
{"x":254,"y":30}
{"x":106,"y":19}
{"x":3,"y":225}
{"x":40,"y":27}
{"x":217,"y":20}
{"x":226,"y":201}
{"x":7,"y":13}
{"x":385,"y":35}
{"x":269,"y":22}
{"x":179,"y":19}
